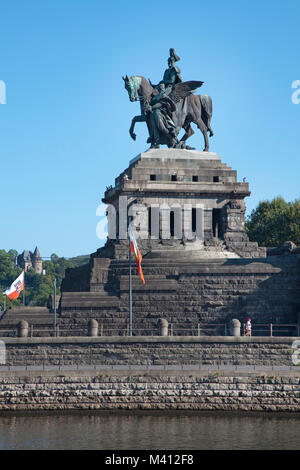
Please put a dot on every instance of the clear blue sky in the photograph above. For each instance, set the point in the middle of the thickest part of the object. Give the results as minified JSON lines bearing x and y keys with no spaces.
{"x":64,"y":129}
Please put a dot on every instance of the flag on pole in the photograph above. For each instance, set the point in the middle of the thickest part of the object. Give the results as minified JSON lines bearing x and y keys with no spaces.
{"x":17,"y":286}
{"x":134,"y":249}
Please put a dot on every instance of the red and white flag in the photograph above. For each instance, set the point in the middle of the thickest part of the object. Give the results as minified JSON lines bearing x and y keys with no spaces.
{"x":134,"y":249}
{"x":16,"y":288}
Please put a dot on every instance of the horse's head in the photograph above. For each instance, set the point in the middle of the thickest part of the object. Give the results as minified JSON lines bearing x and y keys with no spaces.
{"x":132,"y":85}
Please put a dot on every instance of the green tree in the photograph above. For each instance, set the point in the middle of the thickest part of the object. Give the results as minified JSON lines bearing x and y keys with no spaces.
{"x":37,"y":287}
{"x":274,"y":222}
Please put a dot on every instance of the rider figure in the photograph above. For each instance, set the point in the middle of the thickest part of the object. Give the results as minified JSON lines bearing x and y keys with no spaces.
{"x":161,"y":107}
{"x":172,"y":74}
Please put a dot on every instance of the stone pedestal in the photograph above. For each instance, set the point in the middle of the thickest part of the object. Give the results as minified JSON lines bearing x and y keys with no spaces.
{"x":93,"y":328}
{"x":180,"y":200}
{"x":235,"y":327}
{"x":163,"y":325}
{"x":23,"y":329}
{"x":189,"y":281}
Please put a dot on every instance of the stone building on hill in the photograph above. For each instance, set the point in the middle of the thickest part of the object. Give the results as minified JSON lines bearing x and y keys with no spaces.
{"x":28,"y":260}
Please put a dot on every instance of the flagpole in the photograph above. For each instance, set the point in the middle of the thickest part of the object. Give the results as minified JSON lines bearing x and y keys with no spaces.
{"x":55,"y":307}
{"x":24,"y":289}
{"x":130,"y":293}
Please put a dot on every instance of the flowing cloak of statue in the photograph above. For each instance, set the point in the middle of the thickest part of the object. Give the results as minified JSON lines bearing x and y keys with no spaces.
{"x":161,"y":115}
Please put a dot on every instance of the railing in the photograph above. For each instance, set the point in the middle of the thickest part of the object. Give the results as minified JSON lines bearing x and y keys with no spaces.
{"x":173,"y":329}
{"x":273,"y":329}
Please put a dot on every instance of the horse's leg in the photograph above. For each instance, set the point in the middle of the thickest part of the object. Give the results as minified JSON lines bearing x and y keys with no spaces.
{"x":140,"y":118}
{"x":206,"y":112}
{"x":203,"y":129}
{"x":211,"y":133}
{"x":188,"y":131}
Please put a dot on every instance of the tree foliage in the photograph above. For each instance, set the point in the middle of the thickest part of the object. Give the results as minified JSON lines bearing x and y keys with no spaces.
{"x":274,"y":222}
{"x":37,"y":287}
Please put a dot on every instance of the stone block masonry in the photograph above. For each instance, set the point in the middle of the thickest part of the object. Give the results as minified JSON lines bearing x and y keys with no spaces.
{"x":149,"y":391}
{"x":143,"y":373}
{"x":143,"y":351}
{"x":185,"y":293}
{"x":188,"y":211}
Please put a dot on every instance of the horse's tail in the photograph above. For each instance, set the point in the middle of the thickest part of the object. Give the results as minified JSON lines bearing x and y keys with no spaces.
{"x":206,"y":109}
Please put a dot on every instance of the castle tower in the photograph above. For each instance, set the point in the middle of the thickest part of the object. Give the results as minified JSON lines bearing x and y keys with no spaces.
{"x":37,"y":262}
{"x":24,"y":260}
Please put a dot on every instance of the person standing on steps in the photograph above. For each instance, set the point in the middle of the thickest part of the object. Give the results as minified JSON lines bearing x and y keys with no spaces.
{"x":248,"y":327}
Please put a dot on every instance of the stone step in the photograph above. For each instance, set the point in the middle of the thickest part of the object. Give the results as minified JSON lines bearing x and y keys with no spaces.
{"x":88,"y":299}
{"x":24,"y":317}
{"x":15,"y":318}
{"x":151,"y":284}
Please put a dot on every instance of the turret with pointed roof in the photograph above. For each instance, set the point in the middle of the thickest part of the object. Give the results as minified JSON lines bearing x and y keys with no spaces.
{"x":28,"y":260}
{"x":36,"y":253}
{"x":37,"y":263}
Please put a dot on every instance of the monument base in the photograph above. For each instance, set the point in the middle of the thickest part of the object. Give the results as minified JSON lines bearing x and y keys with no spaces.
{"x":162,"y":182}
{"x":189,"y":282}
{"x":188,"y":293}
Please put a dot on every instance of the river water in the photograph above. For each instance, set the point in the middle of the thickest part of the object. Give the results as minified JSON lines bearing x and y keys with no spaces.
{"x":149,"y":431}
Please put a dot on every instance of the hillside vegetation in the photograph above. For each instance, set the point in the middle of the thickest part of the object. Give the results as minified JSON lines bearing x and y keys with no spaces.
{"x":37,"y":287}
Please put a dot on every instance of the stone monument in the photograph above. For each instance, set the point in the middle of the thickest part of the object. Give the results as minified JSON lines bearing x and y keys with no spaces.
{"x":188,"y":212}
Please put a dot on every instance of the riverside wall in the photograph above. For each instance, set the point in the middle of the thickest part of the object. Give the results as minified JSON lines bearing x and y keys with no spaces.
{"x":137,"y":390}
{"x":169,"y":373}
{"x":143,"y":350}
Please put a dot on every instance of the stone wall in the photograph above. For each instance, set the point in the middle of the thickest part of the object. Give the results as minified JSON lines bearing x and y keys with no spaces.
{"x":188,"y":280}
{"x":136,"y":391}
{"x":165,"y":178}
{"x":186,"y":292}
{"x":150,"y":351}
{"x":157,"y":373}
{"x":39,"y":319}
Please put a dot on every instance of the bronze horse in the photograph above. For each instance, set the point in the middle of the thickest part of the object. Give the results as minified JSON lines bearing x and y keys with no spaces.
{"x":195,"y":109}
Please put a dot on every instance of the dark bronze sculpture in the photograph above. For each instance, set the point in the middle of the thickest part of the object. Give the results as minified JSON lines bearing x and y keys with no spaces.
{"x":160,"y":111}
{"x":172,"y":74}
{"x":170,"y":106}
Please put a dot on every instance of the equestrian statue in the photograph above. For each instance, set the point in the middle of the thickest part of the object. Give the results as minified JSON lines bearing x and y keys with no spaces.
{"x":169,"y":107}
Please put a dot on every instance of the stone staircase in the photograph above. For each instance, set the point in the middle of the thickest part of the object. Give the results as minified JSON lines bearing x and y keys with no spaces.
{"x":39,"y":319}
{"x":189,"y":293}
